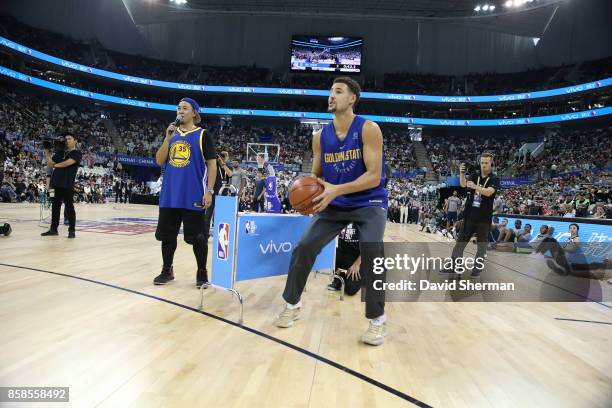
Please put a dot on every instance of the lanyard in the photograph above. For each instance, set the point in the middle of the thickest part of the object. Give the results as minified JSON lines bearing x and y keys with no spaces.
{"x":485,"y":182}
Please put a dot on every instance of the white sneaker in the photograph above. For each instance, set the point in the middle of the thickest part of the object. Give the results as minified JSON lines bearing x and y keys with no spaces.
{"x":375,"y":335}
{"x":287,"y":317}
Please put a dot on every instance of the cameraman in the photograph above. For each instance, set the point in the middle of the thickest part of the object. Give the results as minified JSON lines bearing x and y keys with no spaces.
{"x":481,"y":189}
{"x":65,"y":164}
{"x":224,"y":172}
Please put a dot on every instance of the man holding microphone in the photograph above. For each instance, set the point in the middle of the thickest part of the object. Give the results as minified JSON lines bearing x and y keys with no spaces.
{"x":481,"y":189}
{"x":188,"y":157}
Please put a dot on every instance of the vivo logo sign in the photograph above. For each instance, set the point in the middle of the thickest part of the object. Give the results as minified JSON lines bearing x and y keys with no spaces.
{"x":570,"y":117}
{"x":454,"y":99}
{"x":574,"y":89}
{"x":273,"y":248}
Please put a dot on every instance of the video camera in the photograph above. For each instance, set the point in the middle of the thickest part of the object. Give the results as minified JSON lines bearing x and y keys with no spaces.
{"x":55,"y":144}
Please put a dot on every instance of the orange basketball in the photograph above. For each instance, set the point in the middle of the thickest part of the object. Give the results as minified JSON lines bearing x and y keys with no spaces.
{"x":301,"y":192}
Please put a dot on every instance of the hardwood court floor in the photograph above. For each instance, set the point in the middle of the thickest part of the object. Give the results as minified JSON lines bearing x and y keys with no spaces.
{"x":117,"y":348}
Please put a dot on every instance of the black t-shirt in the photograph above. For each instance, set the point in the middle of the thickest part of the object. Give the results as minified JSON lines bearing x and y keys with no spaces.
{"x":348,"y":247}
{"x":210,"y":152}
{"x":484,"y":213}
{"x":221,"y":177}
{"x":20,"y":187}
{"x":64,"y":177}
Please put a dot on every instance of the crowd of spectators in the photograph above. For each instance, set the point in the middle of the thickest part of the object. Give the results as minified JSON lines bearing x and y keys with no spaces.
{"x":446,"y":153}
{"x":93,"y":54}
{"x":571,"y":174}
{"x":569,"y":151}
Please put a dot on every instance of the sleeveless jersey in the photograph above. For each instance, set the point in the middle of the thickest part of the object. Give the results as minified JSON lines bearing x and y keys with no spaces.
{"x":185,"y":171}
{"x":342,"y":162}
{"x":272,"y":204}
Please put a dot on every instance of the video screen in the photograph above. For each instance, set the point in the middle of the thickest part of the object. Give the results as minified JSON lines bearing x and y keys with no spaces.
{"x":326,"y":54}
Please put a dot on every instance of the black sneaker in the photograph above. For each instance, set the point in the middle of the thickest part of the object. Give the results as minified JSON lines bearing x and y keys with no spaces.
{"x":71,"y":234}
{"x":335,"y":285}
{"x":475,"y":273}
{"x":49,"y":233}
{"x":166,"y":275}
{"x":447,"y":271}
{"x":202,"y":279}
{"x":8,"y":229}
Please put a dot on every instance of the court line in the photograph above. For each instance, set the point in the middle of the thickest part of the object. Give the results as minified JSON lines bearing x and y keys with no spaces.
{"x":469,"y":251}
{"x":584,"y":321}
{"x":317,"y":357}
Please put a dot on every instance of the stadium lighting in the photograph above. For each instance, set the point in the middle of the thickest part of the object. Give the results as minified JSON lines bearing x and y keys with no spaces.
{"x":509,"y":3}
{"x":484,"y":7}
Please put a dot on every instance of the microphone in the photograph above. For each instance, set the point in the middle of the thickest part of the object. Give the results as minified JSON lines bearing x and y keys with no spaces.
{"x":177,"y":121}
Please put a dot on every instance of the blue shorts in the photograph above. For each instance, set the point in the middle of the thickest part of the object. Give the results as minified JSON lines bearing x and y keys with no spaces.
{"x":452,"y":216}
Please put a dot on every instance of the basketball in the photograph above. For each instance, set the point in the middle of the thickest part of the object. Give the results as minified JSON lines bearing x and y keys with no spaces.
{"x":301,"y":192}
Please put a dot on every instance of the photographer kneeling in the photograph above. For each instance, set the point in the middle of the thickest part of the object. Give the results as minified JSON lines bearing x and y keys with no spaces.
{"x":65,"y":163}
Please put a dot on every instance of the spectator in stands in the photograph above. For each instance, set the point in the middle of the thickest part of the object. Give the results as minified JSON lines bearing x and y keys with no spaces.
{"x":582,"y":205}
{"x":600,"y":212}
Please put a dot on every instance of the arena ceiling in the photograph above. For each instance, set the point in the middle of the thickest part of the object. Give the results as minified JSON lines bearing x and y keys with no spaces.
{"x":530,"y":20}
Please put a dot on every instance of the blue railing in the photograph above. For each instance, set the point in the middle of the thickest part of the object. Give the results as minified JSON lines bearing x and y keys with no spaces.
{"x":305,"y":115}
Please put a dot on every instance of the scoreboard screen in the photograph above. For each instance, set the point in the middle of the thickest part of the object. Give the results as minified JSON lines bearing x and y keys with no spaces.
{"x":326,"y":54}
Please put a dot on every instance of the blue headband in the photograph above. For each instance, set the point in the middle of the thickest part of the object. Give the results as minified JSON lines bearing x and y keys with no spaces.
{"x":193,"y":104}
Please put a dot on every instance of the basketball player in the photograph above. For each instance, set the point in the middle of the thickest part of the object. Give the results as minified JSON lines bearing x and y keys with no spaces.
{"x":190,"y":168}
{"x":348,"y":154}
{"x":273,"y":204}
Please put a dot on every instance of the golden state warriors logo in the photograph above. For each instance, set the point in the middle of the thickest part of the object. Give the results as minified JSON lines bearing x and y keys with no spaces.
{"x":180,"y":152}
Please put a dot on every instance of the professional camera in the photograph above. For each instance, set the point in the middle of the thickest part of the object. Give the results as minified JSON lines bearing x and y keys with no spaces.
{"x":55,"y":144}
{"x":469,"y":168}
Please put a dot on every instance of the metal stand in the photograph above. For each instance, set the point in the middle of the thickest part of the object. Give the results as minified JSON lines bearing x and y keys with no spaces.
{"x":232,"y":291}
{"x":44,"y":217}
{"x":334,"y":275}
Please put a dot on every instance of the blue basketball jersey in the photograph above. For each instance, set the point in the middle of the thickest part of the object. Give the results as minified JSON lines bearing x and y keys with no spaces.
{"x":272,"y":204}
{"x":342,"y":162}
{"x":185,"y":171}
{"x":271,"y":186}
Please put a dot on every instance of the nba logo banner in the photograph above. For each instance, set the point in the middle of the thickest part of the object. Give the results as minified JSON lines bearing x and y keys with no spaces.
{"x":223,"y":238}
{"x":224,"y":241}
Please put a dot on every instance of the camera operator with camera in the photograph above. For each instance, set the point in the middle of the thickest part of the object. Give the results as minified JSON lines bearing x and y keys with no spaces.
{"x":65,"y":164}
{"x":481,"y":186}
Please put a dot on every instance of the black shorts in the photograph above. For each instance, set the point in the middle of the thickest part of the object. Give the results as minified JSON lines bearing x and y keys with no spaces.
{"x":170,"y":220}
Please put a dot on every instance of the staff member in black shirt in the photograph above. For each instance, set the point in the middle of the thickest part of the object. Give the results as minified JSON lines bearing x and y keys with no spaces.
{"x":65,"y":165}
{"x":348,"y":258}
{"x":224,"y":173}
{"x":481,"y":189}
